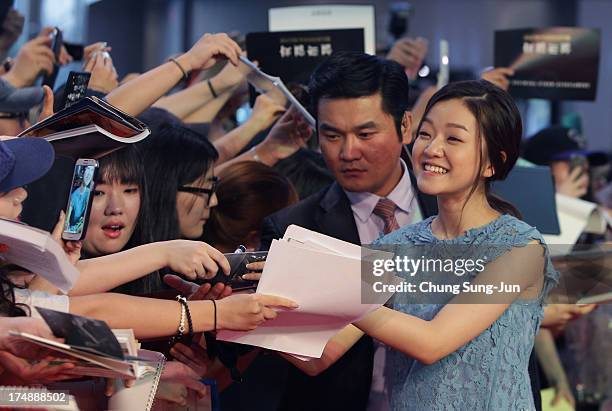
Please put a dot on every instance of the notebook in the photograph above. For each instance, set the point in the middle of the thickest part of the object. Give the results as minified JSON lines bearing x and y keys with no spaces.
{"x":90,"y":128}
{"x":141,"y":396}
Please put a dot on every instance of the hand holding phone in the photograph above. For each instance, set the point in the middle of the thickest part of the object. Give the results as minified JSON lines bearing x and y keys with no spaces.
{"x":56,"y":46}
{"x":80,"y":199}
{"x":238,"y":263}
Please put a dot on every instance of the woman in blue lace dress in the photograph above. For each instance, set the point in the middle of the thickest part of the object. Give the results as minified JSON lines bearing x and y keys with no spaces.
{"x":450,"y":353}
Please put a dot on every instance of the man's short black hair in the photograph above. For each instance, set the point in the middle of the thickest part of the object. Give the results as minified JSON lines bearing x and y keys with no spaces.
{"x":353,"y":75}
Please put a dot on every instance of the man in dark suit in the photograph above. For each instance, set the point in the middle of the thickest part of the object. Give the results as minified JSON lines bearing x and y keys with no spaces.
{"x":360,"y":103}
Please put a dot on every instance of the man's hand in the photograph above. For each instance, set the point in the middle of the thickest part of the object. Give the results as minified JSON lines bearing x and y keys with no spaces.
{"x":103,"y":74}
{"x":410,"y":53}
{"x":498,"y":76}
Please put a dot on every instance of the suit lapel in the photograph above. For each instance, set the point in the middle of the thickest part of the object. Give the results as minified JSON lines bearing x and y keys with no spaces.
{"x":334,"y":217}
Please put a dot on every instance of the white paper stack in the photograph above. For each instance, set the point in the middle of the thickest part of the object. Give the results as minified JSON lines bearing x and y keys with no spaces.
{"x":37,"y":251}
{"x":323,"y":275}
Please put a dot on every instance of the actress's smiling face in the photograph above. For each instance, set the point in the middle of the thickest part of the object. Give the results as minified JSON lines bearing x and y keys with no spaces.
{"x":445,"y":155}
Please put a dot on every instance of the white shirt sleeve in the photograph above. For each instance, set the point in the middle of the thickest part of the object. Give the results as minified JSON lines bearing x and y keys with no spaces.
{"x":42,"y":299}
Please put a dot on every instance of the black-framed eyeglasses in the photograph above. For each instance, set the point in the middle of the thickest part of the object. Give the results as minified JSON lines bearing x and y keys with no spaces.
{"x":198,"y":190}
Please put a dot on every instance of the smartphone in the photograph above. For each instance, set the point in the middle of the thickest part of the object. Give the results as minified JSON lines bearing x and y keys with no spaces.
{"x":77,"y":51}
{"x":578,"y":161}
{"x":238,"y":263}
{"x":56,"y":46}
{"x":76,"y":88}
{"x":80,"y":199}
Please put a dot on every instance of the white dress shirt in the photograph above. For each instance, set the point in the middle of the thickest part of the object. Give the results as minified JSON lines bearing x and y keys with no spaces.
{"x":369,"y":225}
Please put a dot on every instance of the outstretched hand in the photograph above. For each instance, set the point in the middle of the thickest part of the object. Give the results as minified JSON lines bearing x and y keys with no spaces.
{"x":20,"y":347}
{"x":290,"y":133}
{"x":209,"y":49}
{"x":498,"y":76}
{"x":245,"y":312}
{"x":196,"y":292}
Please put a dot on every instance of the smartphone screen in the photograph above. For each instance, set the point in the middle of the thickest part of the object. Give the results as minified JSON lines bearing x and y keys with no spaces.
{"x":79,"y":200}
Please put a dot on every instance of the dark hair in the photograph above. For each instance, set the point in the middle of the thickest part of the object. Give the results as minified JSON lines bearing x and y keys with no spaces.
{"x":173,"y":157}
{"x":353,"y":75}
{"x":125,"y":166}
{"x":8,"y":306}
{"x":307,"y":171}
{"x":248,"y":192}
{"x":499,"y":124}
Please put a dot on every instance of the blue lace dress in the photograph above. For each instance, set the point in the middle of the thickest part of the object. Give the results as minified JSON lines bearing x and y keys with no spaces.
{"x":489,"y":372}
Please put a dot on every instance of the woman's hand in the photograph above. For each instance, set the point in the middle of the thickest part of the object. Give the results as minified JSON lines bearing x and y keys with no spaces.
{"x":71,"y":248}
{"x":103,"y":74}
{"x":256,"y":266}
{"x":244,"y":312}
{"x":196,"y":292}
{"x":208,"y":49}
{"x":265,"y":112}
{"x":88,"y":51}
{"x":194,"y":259}
{"x":290,"y":133}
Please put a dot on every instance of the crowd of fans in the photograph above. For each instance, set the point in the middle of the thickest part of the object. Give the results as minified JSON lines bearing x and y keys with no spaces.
{"x":166,"y":209}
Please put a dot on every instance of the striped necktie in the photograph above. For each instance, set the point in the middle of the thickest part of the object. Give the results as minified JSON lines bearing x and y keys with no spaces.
{"x":385,"y":209}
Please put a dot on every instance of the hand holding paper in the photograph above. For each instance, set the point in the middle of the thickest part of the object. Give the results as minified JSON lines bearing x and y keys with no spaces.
{"x":323,"y":275}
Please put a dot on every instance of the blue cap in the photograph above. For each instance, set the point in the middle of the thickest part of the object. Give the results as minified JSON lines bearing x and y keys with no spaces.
{"x":23,"y":160}
{"x":19,"y":100}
